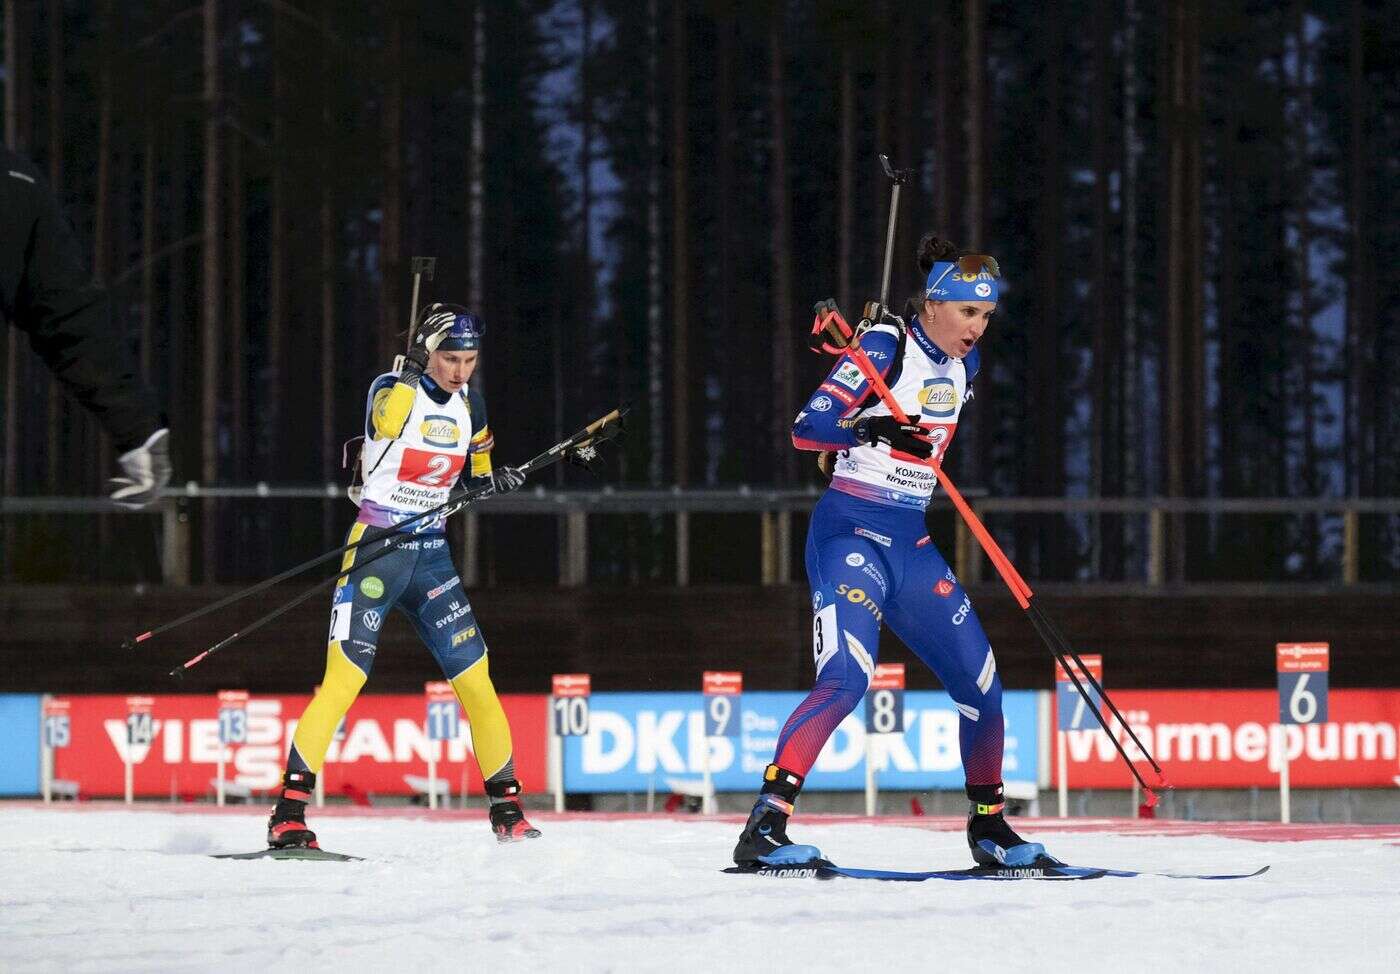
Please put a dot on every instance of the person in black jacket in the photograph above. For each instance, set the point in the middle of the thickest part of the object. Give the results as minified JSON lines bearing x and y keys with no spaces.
{"x":46,"y":293}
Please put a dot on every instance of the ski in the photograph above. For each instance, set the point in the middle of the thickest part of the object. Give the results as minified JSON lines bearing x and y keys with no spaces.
{"x":1045,"y":869}
{"x":318,"y":855}
{"x":825,"y":869}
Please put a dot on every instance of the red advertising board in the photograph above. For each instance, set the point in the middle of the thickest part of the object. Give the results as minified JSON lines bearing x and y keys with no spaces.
{"x":384,"y":741}
{"x":1093,"y":663}
{"x":439,"y":691}
{"x":1302,"y":657}
{"x":888,"y":676}
{"x":572,"y":684}
{"x":1220,"y":739}
{"x":722,"y":682}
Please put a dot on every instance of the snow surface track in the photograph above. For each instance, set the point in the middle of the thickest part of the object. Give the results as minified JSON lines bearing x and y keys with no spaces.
{"x":102,"y":889}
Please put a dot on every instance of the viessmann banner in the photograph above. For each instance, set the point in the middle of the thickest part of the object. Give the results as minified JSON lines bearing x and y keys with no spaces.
{"x":638,"y":741}
{"x":1221,"y":739}
{"x":383,"y":739}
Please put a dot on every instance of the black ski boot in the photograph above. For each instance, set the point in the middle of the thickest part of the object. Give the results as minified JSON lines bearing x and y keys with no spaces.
{"x":764,"y":839}
{"x":507,"y":818}
{"x":992,"y":841}
{"x":286,"y":829}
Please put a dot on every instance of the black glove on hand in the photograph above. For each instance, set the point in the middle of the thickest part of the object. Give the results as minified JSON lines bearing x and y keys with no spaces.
{"x":904,"y":437}
{"x":507,"y":479}
{"x":147,"y":470}
{"x":433,"y":326}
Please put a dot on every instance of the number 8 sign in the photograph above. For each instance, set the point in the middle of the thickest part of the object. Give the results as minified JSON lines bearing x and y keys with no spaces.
{"x":1302,"y":682}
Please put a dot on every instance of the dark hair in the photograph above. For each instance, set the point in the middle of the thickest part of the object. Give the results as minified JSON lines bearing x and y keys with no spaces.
{"x":932,"y":248}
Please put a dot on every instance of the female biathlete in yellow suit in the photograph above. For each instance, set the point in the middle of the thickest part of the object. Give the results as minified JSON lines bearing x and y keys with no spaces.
{"x":422,"y":426}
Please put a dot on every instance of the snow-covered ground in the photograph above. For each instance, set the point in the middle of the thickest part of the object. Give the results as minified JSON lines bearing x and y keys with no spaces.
{"x":105,"y":889}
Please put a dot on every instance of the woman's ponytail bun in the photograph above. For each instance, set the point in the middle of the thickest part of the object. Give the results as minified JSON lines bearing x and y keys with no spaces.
{"x":934,"y":248}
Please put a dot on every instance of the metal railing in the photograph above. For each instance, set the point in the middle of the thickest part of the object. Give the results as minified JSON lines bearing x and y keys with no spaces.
{"x":774,"y":506}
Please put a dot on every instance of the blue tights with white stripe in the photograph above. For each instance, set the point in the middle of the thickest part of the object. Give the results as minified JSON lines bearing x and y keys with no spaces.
{"x":868,"y":563}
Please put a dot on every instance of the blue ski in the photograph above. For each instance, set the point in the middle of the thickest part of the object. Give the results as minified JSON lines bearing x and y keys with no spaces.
{"x":1046,"y":869}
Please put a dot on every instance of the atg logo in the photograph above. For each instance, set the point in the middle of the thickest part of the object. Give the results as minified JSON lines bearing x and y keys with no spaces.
{"x":440,"y":431}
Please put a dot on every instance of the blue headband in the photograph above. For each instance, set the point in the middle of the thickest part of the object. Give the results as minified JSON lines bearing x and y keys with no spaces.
{"x":465,"y":335}
{"x":947,"y":282}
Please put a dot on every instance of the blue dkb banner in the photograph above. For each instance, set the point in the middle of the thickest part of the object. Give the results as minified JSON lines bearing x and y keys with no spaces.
{"x":639,"y":740}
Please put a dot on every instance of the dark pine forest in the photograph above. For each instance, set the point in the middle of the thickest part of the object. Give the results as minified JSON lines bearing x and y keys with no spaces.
{"x":1196,"y":206}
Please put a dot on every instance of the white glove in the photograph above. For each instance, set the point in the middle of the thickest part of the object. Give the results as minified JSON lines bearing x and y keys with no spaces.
{"x":147,"y":470}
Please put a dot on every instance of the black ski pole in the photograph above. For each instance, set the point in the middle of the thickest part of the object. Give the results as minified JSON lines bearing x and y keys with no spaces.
{"x":370,"y":537}
{"x":179,"y":671}
{"x":583,"y":441}
{"x":582,"y":444}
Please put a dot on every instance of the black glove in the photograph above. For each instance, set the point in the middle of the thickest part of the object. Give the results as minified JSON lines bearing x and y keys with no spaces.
{"x":507,"y":479}
{"x":433,"y":325}
{"x":904,"y":437}
{"x":147,"y":470}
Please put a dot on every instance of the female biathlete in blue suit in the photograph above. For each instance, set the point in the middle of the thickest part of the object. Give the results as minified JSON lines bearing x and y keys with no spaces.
{"x":870,"y":560}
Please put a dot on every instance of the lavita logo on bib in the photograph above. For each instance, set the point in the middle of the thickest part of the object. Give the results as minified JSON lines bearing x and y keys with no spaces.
{"x":440,"y":431}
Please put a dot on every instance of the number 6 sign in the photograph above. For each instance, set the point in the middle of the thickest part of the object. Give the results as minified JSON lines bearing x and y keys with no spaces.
{"x":1302,"y":683}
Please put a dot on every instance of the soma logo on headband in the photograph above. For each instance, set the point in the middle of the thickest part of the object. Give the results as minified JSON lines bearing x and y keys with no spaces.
{"x":966,"y":279}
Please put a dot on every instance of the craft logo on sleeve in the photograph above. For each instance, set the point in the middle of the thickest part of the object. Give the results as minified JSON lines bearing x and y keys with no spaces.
{"x":440,"y":431}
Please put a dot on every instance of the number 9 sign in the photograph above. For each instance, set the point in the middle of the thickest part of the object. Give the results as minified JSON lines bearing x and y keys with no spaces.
{"x":722,"y":694}
{"x":1302,"y":682}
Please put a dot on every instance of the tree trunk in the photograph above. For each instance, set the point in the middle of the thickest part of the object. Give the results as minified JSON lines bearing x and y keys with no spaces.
{"x":329,"y":454}
{"x":655,"y":296}
{"x":56,"y":404}
{"x":149,"y":243}
{"x":1047,"y":392}
{"x":785,"y":468}
{"x":1131,"y":443}
{"x":680,"y":255}
{"x":1105,"y":357}
{"x":586,"y":340}
{"x":476,"y":160}
{"x":1303,"y":195}
{"x":1185,"y":340}
{"x":734,"y":391}
{"x":391,"y":202}
{"x":277,"y":247}
{"x":944,"y":60}
{"x":976,"y":463}
{"x":846,"y":190}
{"x":211,"y":292}
{"x":237,"y":324}
{"x":99,"y":444}
{"x":179,"y":357}
{"x":10,"y":484}
{"x":975,"y":193}
{"x":1360,"y":322}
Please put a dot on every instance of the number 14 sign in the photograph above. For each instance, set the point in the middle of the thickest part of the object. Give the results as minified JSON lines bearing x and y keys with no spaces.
{"x":1302,"y":683}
